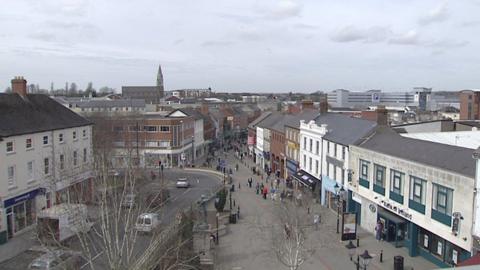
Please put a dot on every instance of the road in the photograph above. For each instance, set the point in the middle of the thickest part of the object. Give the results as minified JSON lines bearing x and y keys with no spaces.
{"x":180,"y":199}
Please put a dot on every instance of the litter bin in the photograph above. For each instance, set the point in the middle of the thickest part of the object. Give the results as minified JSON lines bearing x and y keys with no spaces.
{"x":233,"y":218}
{"x":398,"y":263}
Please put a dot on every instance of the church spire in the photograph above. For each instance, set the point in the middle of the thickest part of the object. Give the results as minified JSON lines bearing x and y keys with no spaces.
{"x":160,"y":78}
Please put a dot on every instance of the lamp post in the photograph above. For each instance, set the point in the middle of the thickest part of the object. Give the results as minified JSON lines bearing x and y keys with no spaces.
{"x":217,"y":216}
{"x":351,"y":249}
{"x":366,"y":258}
{"x":337,"y":188}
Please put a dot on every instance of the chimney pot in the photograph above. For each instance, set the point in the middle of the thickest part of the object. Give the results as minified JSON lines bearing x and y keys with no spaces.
{"x":19,"y":86}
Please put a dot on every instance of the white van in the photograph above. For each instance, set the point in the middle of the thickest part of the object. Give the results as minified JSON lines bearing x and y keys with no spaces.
{"x":147,"y":222}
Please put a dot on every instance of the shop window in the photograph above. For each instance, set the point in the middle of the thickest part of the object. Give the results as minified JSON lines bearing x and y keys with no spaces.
{"x":11,"y":176}
{"x":10,"y":148}
{"x":28,"y":143}
{"x":379,"y":181}
{"x":418,"y":189}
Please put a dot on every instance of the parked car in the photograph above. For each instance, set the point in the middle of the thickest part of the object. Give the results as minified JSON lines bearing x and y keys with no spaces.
{"x":147,"y":222}
{"x":129,"y":200}
{"x":183,"y":183}
{"x":157,"y":198}
{"x":57,"y":260}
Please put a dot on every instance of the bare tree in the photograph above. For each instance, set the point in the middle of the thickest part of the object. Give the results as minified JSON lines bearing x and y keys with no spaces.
{"x":289,"y":239}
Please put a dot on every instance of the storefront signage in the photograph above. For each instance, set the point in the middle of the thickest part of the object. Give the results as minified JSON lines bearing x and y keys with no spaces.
{"x":397,"y":210}
{"x":26,"y":196}
{"x":349,"y":226}
{"x":372,"y":208}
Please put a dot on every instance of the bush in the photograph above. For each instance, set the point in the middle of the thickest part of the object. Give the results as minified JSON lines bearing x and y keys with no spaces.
{"x":221,"y":199}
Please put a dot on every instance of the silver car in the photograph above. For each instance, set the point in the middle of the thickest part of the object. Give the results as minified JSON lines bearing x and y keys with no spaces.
{"x":57,"y":259}
{"x":183,"y":183}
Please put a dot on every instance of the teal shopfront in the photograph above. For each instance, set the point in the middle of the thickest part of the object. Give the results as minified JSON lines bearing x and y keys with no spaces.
{"x":419,"y":241}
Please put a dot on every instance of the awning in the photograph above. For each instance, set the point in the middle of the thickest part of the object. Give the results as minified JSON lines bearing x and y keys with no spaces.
{"x":390,"y":216}
{"x":306,"y":179}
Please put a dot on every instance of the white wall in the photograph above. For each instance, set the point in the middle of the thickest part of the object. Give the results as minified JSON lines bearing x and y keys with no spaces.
{"x":463,"y":194}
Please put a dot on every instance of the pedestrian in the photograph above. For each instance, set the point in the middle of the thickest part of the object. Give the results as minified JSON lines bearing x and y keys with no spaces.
{"x":379,"y":230}
{"x":258,"y":188}
{"x":265,"y":192}
{"x":316,"y":221}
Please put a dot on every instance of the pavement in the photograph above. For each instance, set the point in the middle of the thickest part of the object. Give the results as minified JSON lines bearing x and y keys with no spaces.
{"x":249,"y":243}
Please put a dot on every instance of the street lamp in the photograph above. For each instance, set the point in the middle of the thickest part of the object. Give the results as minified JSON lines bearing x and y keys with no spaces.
{"x":217,"y":216}
{"x":337,"y":188}
{"x":351,"y":249}
{"x":366,"y":258}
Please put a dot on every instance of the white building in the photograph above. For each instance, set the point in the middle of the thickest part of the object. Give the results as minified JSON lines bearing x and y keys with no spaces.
{"x":324,"y":150}
{"x":198,"y":138}
{"x":423,"y":192}
{"x":45,"y":157}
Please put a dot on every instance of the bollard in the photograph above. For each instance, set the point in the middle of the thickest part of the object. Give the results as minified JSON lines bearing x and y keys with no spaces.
{"x":358,"y":262}
{"x":358,"y":242}
{"x":233,"y":202}
{"x":381,"y":255}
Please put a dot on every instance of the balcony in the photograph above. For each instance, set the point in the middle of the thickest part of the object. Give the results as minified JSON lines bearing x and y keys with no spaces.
{"x":396,"y":197}
{"x":416,"y":206}
{"x":364,"y":183}
{"x":441,"y":217}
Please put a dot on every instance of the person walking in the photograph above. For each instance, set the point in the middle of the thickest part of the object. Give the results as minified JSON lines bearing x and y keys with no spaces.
{"x":265,"y":192}
{"x":379,"y":230}
{"x":258,"y":188}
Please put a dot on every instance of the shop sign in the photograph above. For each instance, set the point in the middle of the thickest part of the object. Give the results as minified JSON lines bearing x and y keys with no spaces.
{"x":24,"y":197}
{"x":396,"y":210}
{"x":372,"y":208}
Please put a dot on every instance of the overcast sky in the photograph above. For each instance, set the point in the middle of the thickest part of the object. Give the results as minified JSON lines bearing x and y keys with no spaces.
{"x":267,"y":45}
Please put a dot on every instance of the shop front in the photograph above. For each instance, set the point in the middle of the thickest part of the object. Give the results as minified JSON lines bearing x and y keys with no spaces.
{"x":292,"y":167}
{"x":20,"y":212}
{"x":329,"y":196}
{"x":305,"y":181}
{"x":395,"y":228}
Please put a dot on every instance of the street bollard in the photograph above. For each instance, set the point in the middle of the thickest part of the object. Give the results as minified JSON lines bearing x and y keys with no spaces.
{"x":381,"y":255}
{"x":358,"y":242}
{"x":358,"y":262}
{"x":233,"y":202}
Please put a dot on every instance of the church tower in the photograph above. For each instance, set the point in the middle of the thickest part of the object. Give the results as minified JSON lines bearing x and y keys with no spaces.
{"x":160,"y":80}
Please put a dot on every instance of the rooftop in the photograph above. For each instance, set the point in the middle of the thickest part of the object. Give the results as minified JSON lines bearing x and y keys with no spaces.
{"x":344,"y":129}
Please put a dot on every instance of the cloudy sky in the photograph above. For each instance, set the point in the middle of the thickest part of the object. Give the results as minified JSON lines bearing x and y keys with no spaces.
{"x":247,"y":45}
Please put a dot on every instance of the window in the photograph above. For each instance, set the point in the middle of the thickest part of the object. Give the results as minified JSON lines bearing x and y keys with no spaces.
{"x":316,"y":166}
{"x":10,"y":147}
{"x":150,"y":128}
{"x":311,"y":145}
{"x":305,"y":160}
{"x":30,"y":172}
{"x":74,"y":135}
{"x":46,"y":166}
{"x":75,"y":158}
{"x":364,"y":169}
{"x":379,"y":175}
{"x":62,"y":162}
{"x":418,"y":189}
{"x":343,"y":152}
{"x":310,"y":164}
{"x":60,"y":137}
{"x":304,"y":143}
{"x":328,"y":169}
{"x":164,"y":129}
{"x":84,"y":133}
{"x":328,"y":148}
{"x":318,"y":147}
{"x":84,"y":155}
{"x":442,"y":199}
{"x":45,"y":140}
{"x":335,"y":150}
{"x":28,"y":143}
{"x":396,"y":182}
{"x":118,"y":128}
{"x":342,"y":171}
{"x":11,"y":175}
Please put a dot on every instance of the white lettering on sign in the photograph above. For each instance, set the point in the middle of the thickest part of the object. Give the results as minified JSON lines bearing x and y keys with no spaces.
{"x":397,"y":210}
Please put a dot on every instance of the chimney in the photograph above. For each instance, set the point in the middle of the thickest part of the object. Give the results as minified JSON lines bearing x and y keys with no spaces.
{"x":19,"y":86}
{"x":307,"y":104}
{"x":382,"y":115}
{"x":204,"y":109}
{"x":323,"y":107}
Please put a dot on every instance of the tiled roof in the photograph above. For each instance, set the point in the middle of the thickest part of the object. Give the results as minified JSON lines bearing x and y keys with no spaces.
{"x":35,"y":113}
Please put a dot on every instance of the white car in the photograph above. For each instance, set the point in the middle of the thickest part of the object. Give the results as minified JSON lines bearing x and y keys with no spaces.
{"x":147,"y":222}
{"x":183,"y":183}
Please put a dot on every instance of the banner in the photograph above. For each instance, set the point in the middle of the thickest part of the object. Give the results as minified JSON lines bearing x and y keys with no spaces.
{"x":349,"y":226}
